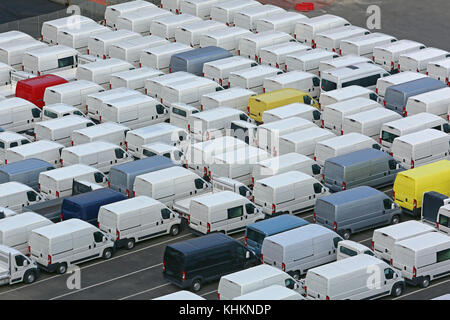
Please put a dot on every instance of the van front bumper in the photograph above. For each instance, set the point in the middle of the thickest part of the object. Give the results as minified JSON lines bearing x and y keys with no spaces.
{"x":414,"y":212}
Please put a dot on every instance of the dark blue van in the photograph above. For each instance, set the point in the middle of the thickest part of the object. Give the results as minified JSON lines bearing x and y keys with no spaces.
{"x":191,"y":263}
{"x":121,"y":177}
{"x":258,"y":231}
{"x":192,"y":61}
{"x":25,"y":171}
{"x":85,"y":206}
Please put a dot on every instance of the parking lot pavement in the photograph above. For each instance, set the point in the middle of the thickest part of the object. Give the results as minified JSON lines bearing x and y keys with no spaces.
{"x":20,"y":9}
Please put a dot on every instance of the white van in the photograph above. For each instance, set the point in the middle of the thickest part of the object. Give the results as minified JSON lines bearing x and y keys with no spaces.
{"x":308,"y":61}
{"x":387,"y":55}
{"x":165,"y":27}
{"x":363,"y":45}
{"x":60,"y":130}
{"x":224,"y":11}
{"x":50,"y":29}
{"x":182,"y":295}
{"x":273,"y":292}
{"x":13,"y":35}
{"x":303,"y":81}
{"x":180,"y":113}
{"x":225,"y":37}
{"x":12,"y":52}
{"x":199,"y":8}
{"x":435,"y":102}
{"x":443,"y":216}
{"x":305,"y":31}
{"x":225,"y":211}
{"x":331,"y":39}
{"x":283,"y":21}
{"x":397,"y":128}
{"x":422,"y":258}
{"x":163,"y":149}
{"x":418,"y":60}
{"x":398,"y":78}
{"x":297,"y":250}
{"x":15,"y":230}
{"x":133,"y":79}
{"x":108,"y":131}
{"x":247,"y":281}
{"x":101,"y":71}
{"x":249,"y":46}
{"x":287,"y":162}
{"x":439,"y":70}
{"x":348,"y":279}
{"x":58,"y":246}
{"x":99,"y":44}
{"x":341,"y":145}
{"x":170,"y":184}
{"x":18,"y":115}
{"x":368,"y":122}
{"x":158,"y":57}
{"x":72,"y":93}
{"x":9,"y":139}
{"x":49,"y":151}
{"x":114,"y":11}
{"x":219,"y":70}
{"x":58,"y":183}
{"x":342,"y":94}
{"x":139,"y":21}
{"x":154,"y":86}
{"x":188,"y":92}
{"x":303,"y":141}
{"x":161,"y":132}
{"x":237,"y":164}
{"x":363,"y":74}
{"x":246,"y":18}
{"x":290,"y":192}
{"x":235,"y":97}
{"x":252,"y":78}
{"x":94,"y":101}
{"x":349,"y":248}
{"x":268,"y":134}
{"x":15,"y":196}
{"x":384,"y":239}
{"x":422,"y":147}
{"x":137,"y":219}
{"x":49,"y":59}
{"x":190,"y":34}
{"x":199,"y":156}
{"x":275,"y":55}
{"x":59,"y":110}
{"x":77,"y":38}
{"x":296,"y":109}
{"x":98,"y":154}
{"x":130,"y":49}
{"x":134,"y":111}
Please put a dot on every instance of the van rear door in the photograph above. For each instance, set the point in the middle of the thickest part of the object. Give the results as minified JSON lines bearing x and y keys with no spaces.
{"x":174,"y":264}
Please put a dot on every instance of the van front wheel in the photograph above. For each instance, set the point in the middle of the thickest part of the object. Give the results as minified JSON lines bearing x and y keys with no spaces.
{"x":107,"y":254}
{"x":130,"y":244}
{"x":395,"y":219}
{"x":62,"y":268}
{"x":29,"y":277}
{"x":175,"y":230}
{"x":397,"y":290}
{"x":425,"y":282}
{"x":196,"y":285}
{"x":346,"y":234}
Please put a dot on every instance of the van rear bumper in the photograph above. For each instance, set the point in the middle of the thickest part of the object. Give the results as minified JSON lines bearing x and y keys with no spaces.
{"x":195,"y":232}
{"x":415,"y":212}
{"x":48,"y":268}
{"x":181,"y":284}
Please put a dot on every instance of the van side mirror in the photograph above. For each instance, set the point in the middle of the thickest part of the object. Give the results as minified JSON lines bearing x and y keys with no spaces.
{"x":247,"y":194}
{"x":393,"y":205}
{"x":247,"y":255}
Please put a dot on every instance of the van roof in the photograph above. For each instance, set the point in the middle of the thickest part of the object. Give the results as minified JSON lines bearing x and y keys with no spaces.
{"x":9,"y":250}
{"x":60,"y":107}
{"x":255,"y":71}
{"x":193,"y":83}
{"x":151,"y":130}
{"x":399,"y":45}
{"x":112,"y":35}
{"x":104,"y":128}
{"x":63,"y":228}
{"x":445,"y":63}
{"x":288,"y":158}
{"x":198,"y":245}
{"x":272,"y":225}
{"x":216,"y":113}
{"x":345,"y":61}
{"x":311,"y":54}
{"x":11,"y":103}
{"x":266,"y":35}
{"x":125,"y":206}
{"x":167,"y":48}
{"x":368,"y":38}
{"x":422,"y":136}
{"x":405,"y":229}
{"x":320,"y":19}
{"x":94,"y":197}
{"x":230,"y":92}
{"x":307,"y":134}
{"x":107,"y":63}
{"x":45,"y":80}
{"x":217,"y":198}
{"x":425,"y":170}
{"x":340,"y":32}
{"x":36,"y":147}
{"x":347,"y":91}
{"x":240,"y":155}
{"x":69,"y":171}
{"x":226,"y":32}
{"x":51,"y":50}
{"x":106,"y":93}
{"x":200,"y":25}
{"x":285,"y":178}
{"x":160,"y":147}
{"x":350,"y":195}
{"x":285,"y":123}
{"x":166,"y":174}
{"x":175,"y":19}
{"x":227,"y":61}
{"x":407,"y":122}
{"x":287,"y":47}
{"x":144,"y":165}
{"x":345,"y":140}
{"x":424,"y":53}
{"x":418,"y":84}
{"x":346,"y":266}
{"x":91,"y":147}
{"x":290,"y":109}
{"x":63,"y":122}
{"x":424,"y":241}
{"x":13,"y":187}
{"x":74,"y":86}
{"x":402,"y":77}
{"x":137,"y":42}
{"x":354,"y":244}
{"x":359,"y":156}
{"x":351,"y":104}
{"x":137,"y":73}
{"x":266,"y":8}
{"x":283,"y":16}
{"x":372,"y":114}
{"x":21,"y":220}
{"x":359,"y":68}
{"x":290,"y":76}
{"x":300,"y":234}
{"x":129,"y":100}
{"x":433,"y":96}
{"x":8,"y":136}
{"x":253,"y":274}
{"x":25,"y":165}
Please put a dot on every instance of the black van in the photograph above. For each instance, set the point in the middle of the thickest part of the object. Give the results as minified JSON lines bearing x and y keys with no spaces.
{"x":191,"y":263}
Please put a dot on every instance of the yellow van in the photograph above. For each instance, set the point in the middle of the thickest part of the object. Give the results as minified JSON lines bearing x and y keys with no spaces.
{"x":277,"y":98}
{"x":410,"y":185}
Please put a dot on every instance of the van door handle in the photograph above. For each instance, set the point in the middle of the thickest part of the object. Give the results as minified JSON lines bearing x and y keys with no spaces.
{"x":89,"y":247}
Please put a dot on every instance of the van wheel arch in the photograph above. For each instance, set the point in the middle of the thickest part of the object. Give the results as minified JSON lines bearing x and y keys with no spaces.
{"x":107,"y":253}
{"x":61,"y":268}
{"x":395,"y":219}
{"x":130,"y":243}
{"x":175,"y":229}
{"x":398,"y":289}
{"x":346,"y":234}
{"x":29,"y":276}
{"x":424,"y":282}
{"x":197,"y":284}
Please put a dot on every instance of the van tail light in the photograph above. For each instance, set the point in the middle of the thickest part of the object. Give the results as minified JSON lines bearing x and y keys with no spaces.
{"x":327,"y":298}
{"x":253,"y":198}
{"x":404,"y":112}
{"x":340,"y":52}
{"x":306,"y":290}
{"x":87,"y":109}
{"x":344,"y":185}
{"x":57,"y":194}
{"x":134,"y":194}
{"x":274,"y":208}
{"x":183,"y":275}
{"x":415,"y":204}
{"x":342,"y":132}
{"x":229,"y":84}
{"x":264,"y":90}
{"x":220,"y":81}
{"x":427,"y":73}
{"x":39,"y":187}
{"x":379,"y":140}
{"x":393,"y":195}
{"x":176,"y":11}
{"x":323,"y":178}
{"x":392,"y":65}
{"x":189,"y":127}
{"x":373,"y":245}
{"x":35,"y":136}
{"x":49,"y":259}
{"x":256,"y":58}
{"x":373,"y":58}
{"x":98,"y":224}
{"x":38,"y":73}
{"x":376,"y":90}
{"x":100,"y":118}
{"x":314,"y":217}
{"x":245,"y":241}
{"x":313,"y":43}
{"x":239,"y":52}
{"x":277,"y":65}
{"x":61,"y":216}
{"x":140,"y":65}
{"x":391,"y":154}
{"x":323,"y":123}
{"x":261,"y":257}
{"x":208,"y":228}
{"x":23,"y":68}
{"x":109,"y":184}
{"x":446,"y":80}
{"x":203,"y":74}
{"x":285,"y":67}
{"x":335,"y":226}
{"x":283,"y":267}
{"x":104,"y":57}
{"x":398,"y":66}
{"x":253,"y":180}
{"x":205,"y":171}
{"x":71,"y":143}
{"x":248,"y":109}
{"x":319,"y":74}
{"x":61,"y":161}
{"x":218,"y":296}
{"x":412,"y":163}
{"x":164,"y":265}
{"x":117,"y":234}
{"x":29,"y":250}
{"x":417,"y":70}
{"x":384,"y":103}
{"x":201,"y":107}
{"x":295,"y":36}
{"x":448,"y":117}
{"x":315,"y":158}
{"x":334,"y":50}
{"x":437,"y":225}
{"x":170,"y":70}
{"x":209,"y":173}
{"x":391,"y":262}
{"x":128,"y":193}
{"x":414,"y":272}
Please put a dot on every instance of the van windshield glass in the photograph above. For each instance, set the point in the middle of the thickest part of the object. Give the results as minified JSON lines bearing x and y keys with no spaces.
{"x":50,"y":114}
{"x":328,"y":85}
{"x":255,"y":236}
{"x":388,"y":137}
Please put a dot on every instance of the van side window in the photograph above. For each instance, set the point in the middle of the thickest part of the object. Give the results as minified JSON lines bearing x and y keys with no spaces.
{"x":347,"y":251}
{"x":31,"y":195}
{"x":387,"y":204}
{"x":392,"y":164}
{"x":243,"y":117}
{"x":235,"y":212}
{"x":119,"y":153}
{"x":2,"y":145}
{"x":443,"y":255}
{"x":148,"y":153}
{"x":167,"y":155}
{"x":307,"y":100}
{"x":98,"y":236}
{"x":66,"y":62}
{"x":316,"y":82}
{"x":437,"y":128}
{"x":369,"y":253}
{"x":98,"y":176}
{"x":315,"y":169}
{"x":160,"y":109}
{"x":36,"y":112}
{"x":336,"y":240}
{"x":199,"y":183}
{"x":289,"y":283}
{"x":443,"y":220}
{"x":219,"y":88}
{"x":179,"y":112}
{"x":250,"y":208}
{"x":388,"y":273}
{"x":89,"y":124}
{"x":316,"y":115}
{"x":253,"y":65}
{"x":13,"y":144}
{"x":317,"y":188}
{"x":376,"y":146}
{"x":373,"y":96}
{"x":78,"y":113}
{"x":165,"y":213}
{"x":446,"y":128}
{"x":19,"y":260}
{"x":24,"y":141}
{"x":243,"y":191}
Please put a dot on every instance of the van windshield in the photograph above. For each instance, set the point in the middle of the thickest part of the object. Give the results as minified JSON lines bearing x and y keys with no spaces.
{"x":328,"y":85}
{"x":388,"y":137}
{"x":174,"y":261}
{"x":255,"y":236}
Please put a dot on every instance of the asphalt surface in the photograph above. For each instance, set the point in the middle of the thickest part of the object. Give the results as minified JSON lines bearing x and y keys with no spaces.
{"x":21,"y":9}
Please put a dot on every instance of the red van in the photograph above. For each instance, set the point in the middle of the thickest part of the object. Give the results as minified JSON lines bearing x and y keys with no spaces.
{"x":33,"y":89}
